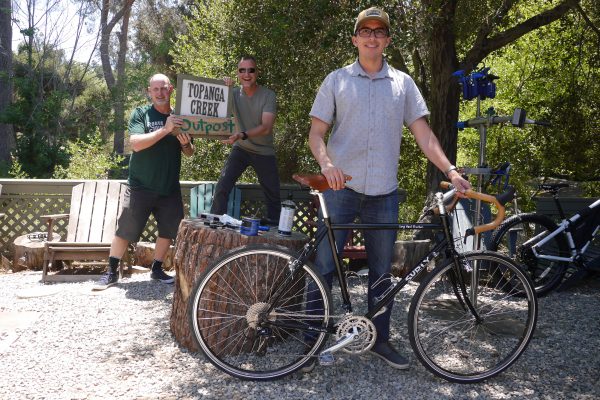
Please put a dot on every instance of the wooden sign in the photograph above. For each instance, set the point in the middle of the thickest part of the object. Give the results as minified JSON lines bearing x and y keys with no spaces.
{"x":205,"y":106}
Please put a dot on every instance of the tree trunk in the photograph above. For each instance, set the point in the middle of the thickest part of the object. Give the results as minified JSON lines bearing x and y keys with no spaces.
{"x":197,"y":246}
{"x":7,"y":138}
{"x":29,"y":252}
{"x":119,"y":105}
{"x":444,"y":99}
{"x":115,"y":86}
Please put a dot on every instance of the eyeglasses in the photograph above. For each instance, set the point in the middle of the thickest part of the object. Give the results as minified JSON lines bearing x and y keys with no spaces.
{"x":366,"y":32}
{"x":248,"y":70}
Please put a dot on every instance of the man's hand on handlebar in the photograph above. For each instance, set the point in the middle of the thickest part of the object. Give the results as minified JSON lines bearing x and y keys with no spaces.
{"x":460,"y":183}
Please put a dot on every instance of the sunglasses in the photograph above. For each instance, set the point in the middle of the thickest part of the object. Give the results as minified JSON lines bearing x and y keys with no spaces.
{"x":248,"y":70}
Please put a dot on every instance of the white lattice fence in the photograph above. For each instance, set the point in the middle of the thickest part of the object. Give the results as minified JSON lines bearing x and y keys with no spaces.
{"x":25,"y":200}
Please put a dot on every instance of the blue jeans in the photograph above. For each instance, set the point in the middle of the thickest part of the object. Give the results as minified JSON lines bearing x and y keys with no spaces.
{"x":268,"y":177}
{"x":343,"y":207}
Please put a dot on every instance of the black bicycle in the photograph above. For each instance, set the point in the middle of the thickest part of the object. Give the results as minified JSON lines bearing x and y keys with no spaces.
{"x":546,"y":249}
{"x":468,"y":319}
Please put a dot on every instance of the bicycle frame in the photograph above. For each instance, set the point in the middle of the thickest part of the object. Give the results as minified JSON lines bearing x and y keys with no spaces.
{"x":446,"y":244}
{"x":563,"y":227}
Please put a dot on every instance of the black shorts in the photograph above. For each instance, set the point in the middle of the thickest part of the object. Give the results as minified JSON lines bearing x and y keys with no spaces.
{"x":139,"y":204}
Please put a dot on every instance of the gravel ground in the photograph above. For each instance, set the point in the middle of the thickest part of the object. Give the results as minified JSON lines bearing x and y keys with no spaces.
{"x":117,"y":344}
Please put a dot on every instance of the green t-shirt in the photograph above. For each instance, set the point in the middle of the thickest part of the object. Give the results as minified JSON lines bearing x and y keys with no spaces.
{"x":249,"y":112}
{"x":156,"y":168}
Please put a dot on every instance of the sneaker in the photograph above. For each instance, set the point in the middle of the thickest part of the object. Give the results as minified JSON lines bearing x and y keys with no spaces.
{"x":107,"y":280}
{"x":387,"y":353}
{"x":160,"y":275}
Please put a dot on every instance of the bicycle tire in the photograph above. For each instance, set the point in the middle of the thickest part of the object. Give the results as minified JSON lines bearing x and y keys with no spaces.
{"x":446,"y":337}
{"x":230,"y":322}
{"x":513,"y":238}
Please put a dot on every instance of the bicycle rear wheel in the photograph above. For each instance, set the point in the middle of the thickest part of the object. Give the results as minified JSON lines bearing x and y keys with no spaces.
{"x":515,"y":237}
{"x":463,"y":346}
{"x":252,"y":320}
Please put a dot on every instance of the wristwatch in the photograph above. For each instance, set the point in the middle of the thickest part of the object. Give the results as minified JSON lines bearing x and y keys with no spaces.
{"x":450,"y":168}
{"x":244,"y":135}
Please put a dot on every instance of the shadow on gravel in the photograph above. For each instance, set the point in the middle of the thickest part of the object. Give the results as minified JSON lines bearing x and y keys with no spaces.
{"x":149,"y":290}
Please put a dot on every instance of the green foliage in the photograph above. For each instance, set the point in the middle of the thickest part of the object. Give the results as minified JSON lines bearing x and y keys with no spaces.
{"x":553,"y":73}
{"x":90,"y":158}
{"x":16,"y":170}
{"x":54,"y":101}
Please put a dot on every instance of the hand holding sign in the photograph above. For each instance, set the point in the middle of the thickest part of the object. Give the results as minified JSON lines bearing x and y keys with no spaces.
{"x":173,"y":122}
{"x":204,"y":107}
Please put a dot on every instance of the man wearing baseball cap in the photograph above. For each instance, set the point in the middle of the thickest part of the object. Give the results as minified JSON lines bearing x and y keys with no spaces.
{"x":367,"y":104}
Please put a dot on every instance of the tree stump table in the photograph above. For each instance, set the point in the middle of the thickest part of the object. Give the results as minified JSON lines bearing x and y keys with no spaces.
{"x":197,"y":245}
{"x":29,"y":251}
{"x":144,"y":255}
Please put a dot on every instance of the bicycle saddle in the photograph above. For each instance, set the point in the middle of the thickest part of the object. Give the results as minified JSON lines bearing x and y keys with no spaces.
{"x":314,"y":181}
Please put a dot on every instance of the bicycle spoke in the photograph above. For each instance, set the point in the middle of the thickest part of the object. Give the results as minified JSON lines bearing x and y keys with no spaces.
{"x":451,"y":341}
{"x":252,"y":320}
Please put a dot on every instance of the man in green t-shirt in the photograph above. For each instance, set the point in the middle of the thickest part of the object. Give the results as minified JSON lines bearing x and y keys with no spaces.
{"x":255,"y":107}
{"x":153,"y":183}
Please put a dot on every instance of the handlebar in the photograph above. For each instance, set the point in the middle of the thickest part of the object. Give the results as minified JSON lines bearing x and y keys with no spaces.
{"x":319,"y":183}
{"x":498,"y":201}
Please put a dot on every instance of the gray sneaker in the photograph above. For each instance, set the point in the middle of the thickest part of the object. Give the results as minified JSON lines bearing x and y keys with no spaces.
{"x":107,"y":280}
{"x":160,"y":275}
{"x":387,"y":353}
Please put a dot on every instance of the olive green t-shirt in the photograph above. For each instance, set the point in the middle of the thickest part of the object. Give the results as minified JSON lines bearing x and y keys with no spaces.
{"x":249,"y":111}
{"x":157,"y":167}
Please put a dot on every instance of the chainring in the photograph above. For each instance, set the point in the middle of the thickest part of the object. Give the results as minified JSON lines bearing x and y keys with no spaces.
{"x":367,"y":333}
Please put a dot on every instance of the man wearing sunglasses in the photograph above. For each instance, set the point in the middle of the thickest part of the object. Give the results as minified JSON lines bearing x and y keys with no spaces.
{"x":367,"y":104}
{"x":255,"y":107}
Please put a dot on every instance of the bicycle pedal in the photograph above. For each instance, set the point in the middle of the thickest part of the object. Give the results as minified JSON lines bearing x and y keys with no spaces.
{"x":326,"y":359}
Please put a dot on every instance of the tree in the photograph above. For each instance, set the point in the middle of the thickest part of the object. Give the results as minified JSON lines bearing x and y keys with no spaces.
{"x":156,"y":26}
{"x":7,"y":139}
{"x":45,"y":112}
{"x":462,"y":40}
{"x":116,"y":85}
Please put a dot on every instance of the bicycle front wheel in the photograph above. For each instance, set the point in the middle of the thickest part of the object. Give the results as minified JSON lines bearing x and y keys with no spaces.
{"x":252,"y":319}
{"x":515,"y":237}
{"x":465,"y":325}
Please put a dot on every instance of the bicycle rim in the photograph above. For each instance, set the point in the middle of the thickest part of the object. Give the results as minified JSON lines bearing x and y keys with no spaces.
{"x":230,"y":317}
{"x":514,"y":239}
{"x":444,"y":333}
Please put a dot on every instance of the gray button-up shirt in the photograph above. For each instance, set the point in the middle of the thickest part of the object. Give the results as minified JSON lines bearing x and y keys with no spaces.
{"x":368,"y":115}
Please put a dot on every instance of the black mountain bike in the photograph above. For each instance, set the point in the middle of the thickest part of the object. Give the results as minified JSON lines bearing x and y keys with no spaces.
{"x":471,"y":317}
{"x":546,"y":249}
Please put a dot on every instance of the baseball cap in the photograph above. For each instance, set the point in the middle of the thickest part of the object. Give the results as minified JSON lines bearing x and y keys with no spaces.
{"x":372,"y":13}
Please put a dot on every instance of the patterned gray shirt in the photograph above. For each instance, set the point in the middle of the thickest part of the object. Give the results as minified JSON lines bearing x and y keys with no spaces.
{"x":368,"y":115}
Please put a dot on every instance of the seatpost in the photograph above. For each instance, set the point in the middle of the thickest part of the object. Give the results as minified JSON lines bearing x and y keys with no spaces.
{"x":336,"y":259}
{"x":561,"y":212}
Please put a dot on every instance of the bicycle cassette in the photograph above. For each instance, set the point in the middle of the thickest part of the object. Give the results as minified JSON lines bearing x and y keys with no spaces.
{"x":363,"y":328}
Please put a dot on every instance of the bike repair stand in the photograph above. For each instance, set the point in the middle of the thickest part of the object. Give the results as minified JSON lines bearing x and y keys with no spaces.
{"x":480,"y":85}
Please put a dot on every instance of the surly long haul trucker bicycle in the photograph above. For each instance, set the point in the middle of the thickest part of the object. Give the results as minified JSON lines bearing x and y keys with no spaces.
{"x":471,"y":317}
